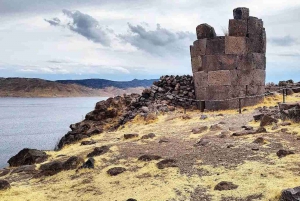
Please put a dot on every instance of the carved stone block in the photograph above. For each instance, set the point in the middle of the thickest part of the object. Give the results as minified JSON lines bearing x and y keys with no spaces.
{"x":236,"y":45}
{"x":255,"y":26}
{"x":196,"y":63}
{"x":200,"y":79}
{"x":200,"y":46}
{"x":238,"y":28}
{"x":215,"y":46}
{"x":221,"y":77}
{"x":201,"y":93}
{"x":241,"y":13}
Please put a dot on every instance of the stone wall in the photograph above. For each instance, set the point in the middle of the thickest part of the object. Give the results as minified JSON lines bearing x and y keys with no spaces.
{"x":232,"y":66}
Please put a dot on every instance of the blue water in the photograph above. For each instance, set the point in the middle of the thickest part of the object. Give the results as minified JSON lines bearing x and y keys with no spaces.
{"x":38,"y":122}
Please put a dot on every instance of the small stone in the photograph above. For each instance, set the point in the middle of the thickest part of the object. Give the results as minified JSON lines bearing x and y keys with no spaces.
{"x":148,"y":136}
{"x":224,"y":186}
{"x":230,"y":146}
{"x":284,"y":130}
{"x":203,"y":117}
{"x":222,"y":122}
{"x":90,"y":163}
{"x":186,"y":116}
{"x":145,"y":109}
{"x":115,"y":171}
{"x":261,"y":130}
{"x":220,"y":115}
{"x":4,"y":185}
{"x":267,"y":120}
{"x":200,"y":130}
{"x":282,"y":153}
{"x":163,"y":141}
{"x":131,"y":199}
{"x":202,"y":142}
{"x":130,"y":136}
{"x":247,"y":127}
{"x":285,"y":124}
{"x":87,"y":142}
{"x":166,"y":163}
{"x":255,"y":149}
{"x":215,"y":127}
{"x":149,"y":157}
{"x":259,"y":140}
{"x":98,"y":151}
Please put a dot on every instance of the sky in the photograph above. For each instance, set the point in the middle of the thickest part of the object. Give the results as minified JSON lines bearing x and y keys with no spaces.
{"x":124,"y":40}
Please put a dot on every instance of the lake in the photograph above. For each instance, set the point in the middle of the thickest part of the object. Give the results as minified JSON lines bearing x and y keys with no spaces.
{"x":38,"y":122}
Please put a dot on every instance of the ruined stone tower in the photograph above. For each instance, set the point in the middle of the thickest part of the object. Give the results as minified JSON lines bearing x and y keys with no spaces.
{"x":226,"y":67}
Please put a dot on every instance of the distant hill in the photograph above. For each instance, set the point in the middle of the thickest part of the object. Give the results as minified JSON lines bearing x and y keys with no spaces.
{"x":33,"y":87}
{"x":102,"y":83}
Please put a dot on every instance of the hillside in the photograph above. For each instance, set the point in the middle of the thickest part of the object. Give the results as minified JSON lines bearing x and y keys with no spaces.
{"x":32,"y":87}
{"x":174,"y":156}
{"x":102,"y":83}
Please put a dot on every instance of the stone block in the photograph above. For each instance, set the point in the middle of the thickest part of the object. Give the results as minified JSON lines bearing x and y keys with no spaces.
{"x":221,"y":77}
{"x":252,"y":101}
{"x":200,"y":46}
{"x":200,"y":79}
{"x":211,"y":63}
{"x":215,"y":46}
{"x":251,"y":61}
{"x":238,"y":91}
{"x":255,"y":26}
{"x":228,"y":62}
{"x":241,"y":13}
{"x":258,"y":77}
{"x":236,"y":45}
{"x":264,"y":40}
{"x":253,"y":90}
{"x":238,"y":28}
{"x":205,"y":31}
{"x":192,"y":51}
{"x":244,"y":77}
{"x":259,"y":61}
{"x":201,"y":93}
{"x":221,"y":105}
{"x":256,"y":43}
{"x":220,"y":92}
{"x":196,"y":63}
{"x":234,"y":77}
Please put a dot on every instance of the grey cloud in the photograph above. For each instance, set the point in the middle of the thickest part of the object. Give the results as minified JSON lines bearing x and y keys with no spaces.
{"x":85,"y":25}
{"x":283,"y":41}
{"x":54,"y":22}
{"x":158,"y":41}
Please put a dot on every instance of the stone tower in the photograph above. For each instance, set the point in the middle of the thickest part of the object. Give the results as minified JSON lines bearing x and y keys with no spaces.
{"x":226,"y":67}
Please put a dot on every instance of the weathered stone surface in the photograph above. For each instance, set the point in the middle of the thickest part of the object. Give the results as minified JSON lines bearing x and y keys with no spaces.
{"x":251,"y":61}
{"x":241,"y":13}
{"x":200,"y":79}
{"x":27,"y":157}
{"x":196,"y":64}
{"x":203,"y":142}
{"x":201,"y":93}
{"x":200,"y":130}
{"x":51,"y":168}
{"x":115,"y":171}
{"x":130,"y":136}
{"x":4,"y":185}
{"x":166,"y":163}
{"x":72,"y":163}
{"x":219,"y":92}
{"x":90,"y":163}
{"x":87,"y":142}
{"x":149,"y":157}
{"x":4,"y":172}
{"x":236,"y":45}
{"x":238,"y":28}
{"x":282,"y":153}
{"x":215,"y":46}
{"x":193,"y":51}
{"x":27,"y":169}
{"x":219,"y":78}
{"x":256,"y":44}
{"x":255,"y":90}
{"x":200,"y":47}
{"x":225,"y":186}
{"x":291,"y":194}
{"x":148,"y":136}
{"x":211,"y":63}
{"x":98,"y":151}
{"x":205,"y":31}
{"x":255,"y":26}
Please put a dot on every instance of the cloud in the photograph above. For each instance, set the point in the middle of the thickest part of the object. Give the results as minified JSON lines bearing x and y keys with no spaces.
{"x":283,"y":41}
{"x":54,"y":22}
{"x":159,"y":41}
{"x":84,"y":25}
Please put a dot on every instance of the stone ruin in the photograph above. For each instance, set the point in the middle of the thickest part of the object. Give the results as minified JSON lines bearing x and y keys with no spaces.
{"x":230,"y":66}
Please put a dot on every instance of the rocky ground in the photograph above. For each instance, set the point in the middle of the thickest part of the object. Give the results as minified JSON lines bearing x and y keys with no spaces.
{"x":174,"y":156}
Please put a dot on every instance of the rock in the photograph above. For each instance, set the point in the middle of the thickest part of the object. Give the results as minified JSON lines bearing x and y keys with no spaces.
{"x":200,"y":130}
{"x":215,"y":127}
{"x":291,"y":194}
{"x":222,"y":123}
{"x":230,"y":146}
{"x":163,"y":141}
{"x":88,"y":142}
{"x":241,"y":13}
{"x":261,"y":130}
{"x":247,"y":127}
{"x":285,"y":124}
{"x":145,"y":109}
{"x":72,"y":163}
{"x":166,"y":163}
{"x":28,"y":169}
{"x":244,"y":132}
{"x":202,"y":142}
{"x":130,"y":136}
{"x":28,"y":157}
{"x":224,"y":134}
{"x":255,"y":149}
{"x":148,"y":136}
{"x":258,"y":117}
{"x":186,"y":117}
{"x":284,"y":130}
{"x":131,"y":199}
{"x":275,"y":127}
{"x":282,"y":153}
{"x":4,"y":185}
{"x":225,"y":186}
{"x":149,"y":157}
{"x":98,"y":151}
{"x":115,"y":171}
{"x":259,"y":140}
{"x":205,"y":31}
{"x":220,"y":115}
{"x":90,"y":163}
{"x":51,"y":168}
{"x":203,"y":117}
{"x":4,"y":172}
{"x":267,"y":120}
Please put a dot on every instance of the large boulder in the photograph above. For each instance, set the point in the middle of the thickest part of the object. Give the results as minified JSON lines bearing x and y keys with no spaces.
{"x":72,"y":163}
{"x":98,"y":151}
{"x":291,"y":194}
{"x":205,"y":31}
{"x":52,"y":168}
{"x":28,"y":157}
